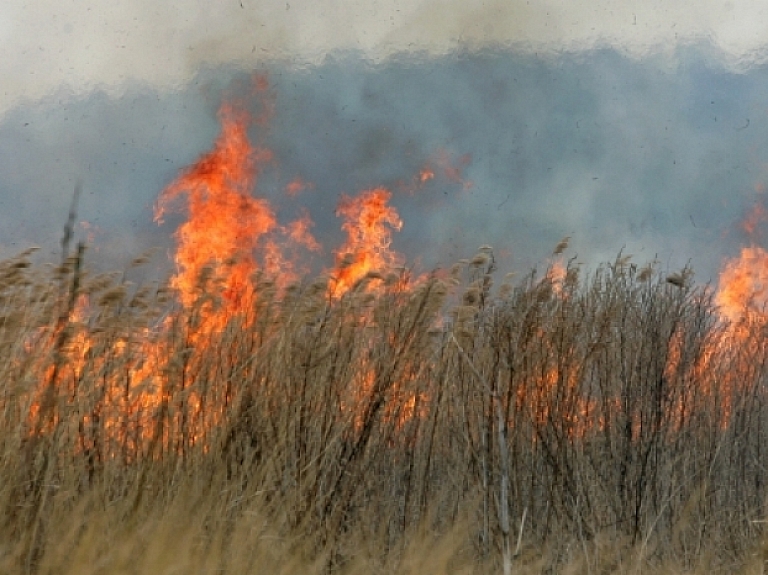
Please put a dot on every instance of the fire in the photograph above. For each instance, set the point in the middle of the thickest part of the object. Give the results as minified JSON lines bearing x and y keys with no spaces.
{"x":227,"y":227}
{"x":225,"y":224}
{"x":369,"y":221}
{"x":741,"y":299}
{"x":231,"y":237}
{"x":229,"y":247}
{"x":743,"y":287}
{"x":753,"y":219}
{"x":744,"y":284}
{"x":296,"y":186}
{"x":556,"y":274}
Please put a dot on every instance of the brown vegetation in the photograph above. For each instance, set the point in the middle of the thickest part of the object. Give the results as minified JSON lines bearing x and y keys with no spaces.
{"x":601,"y":424}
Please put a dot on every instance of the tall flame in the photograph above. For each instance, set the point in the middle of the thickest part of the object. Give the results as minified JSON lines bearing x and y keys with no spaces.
{"x":227,"y":227}
{"x":229,"y":240}
{"x":225,"y":223}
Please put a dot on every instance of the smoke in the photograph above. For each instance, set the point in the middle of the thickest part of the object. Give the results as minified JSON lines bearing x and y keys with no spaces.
{"x":659,"y":156}
{"x":90,"y":45}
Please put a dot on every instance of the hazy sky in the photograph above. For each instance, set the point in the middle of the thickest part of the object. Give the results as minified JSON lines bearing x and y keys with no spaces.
{"x":94,"y":44}
{"x":621,"y":123}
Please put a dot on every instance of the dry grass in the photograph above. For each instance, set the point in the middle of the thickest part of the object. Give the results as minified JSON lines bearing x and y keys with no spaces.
{"x":602,"y":424}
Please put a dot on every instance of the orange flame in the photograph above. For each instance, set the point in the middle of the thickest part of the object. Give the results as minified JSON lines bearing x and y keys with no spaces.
{"x":743,"y":286}
{"x":228,"y":238}
{"x":225,"y":223}
{"x":369,"y":221}
{"x":742,"y":297}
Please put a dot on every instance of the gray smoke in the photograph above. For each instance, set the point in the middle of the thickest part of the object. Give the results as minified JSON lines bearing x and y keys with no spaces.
{"x":659,"y":156}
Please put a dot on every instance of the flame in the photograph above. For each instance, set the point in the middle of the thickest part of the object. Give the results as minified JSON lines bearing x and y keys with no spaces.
{"x":743,"y":285}
{"x":369,"y":221}
{"x":231,"y":237}
{"x":229,"y":241}
{"x":225,"y":223}
{"x":741,"y":299}
{"x":227,"y":226}
{"x":556,"y":274}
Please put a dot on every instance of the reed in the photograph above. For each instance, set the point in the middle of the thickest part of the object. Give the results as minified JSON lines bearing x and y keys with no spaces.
{"x":597,"y":422}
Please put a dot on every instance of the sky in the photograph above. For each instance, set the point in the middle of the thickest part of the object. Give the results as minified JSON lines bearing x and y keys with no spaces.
{"x":627,"y":126}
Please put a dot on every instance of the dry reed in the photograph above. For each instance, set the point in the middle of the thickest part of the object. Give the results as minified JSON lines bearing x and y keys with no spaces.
{"x":597,"y":423}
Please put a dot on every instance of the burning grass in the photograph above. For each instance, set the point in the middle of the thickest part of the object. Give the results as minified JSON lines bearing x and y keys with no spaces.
{"x":246,"y":417}
{"x":547,"y":422}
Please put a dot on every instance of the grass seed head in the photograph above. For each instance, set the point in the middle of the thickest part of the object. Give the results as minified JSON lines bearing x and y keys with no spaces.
{"x":479,"y":260}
